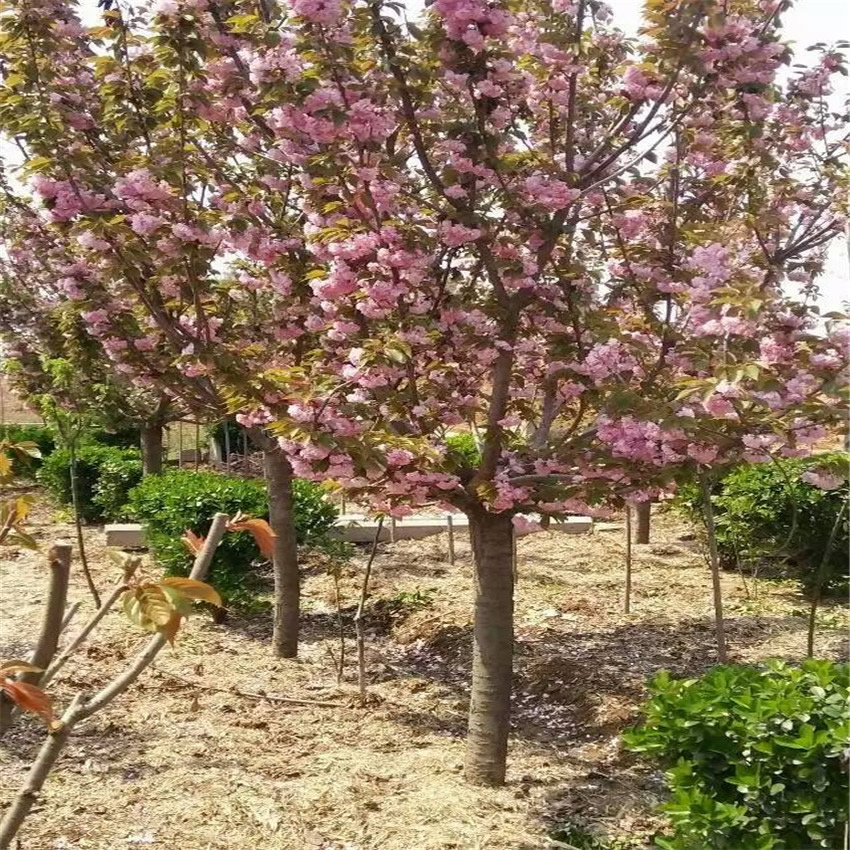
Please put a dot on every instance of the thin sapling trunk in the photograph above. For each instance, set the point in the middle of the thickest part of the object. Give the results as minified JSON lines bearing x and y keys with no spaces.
{"x":627,"y":601}
{"x":78,"y":523}
{"x":358,"y":617}
{"x":714,"y":563}
{"x":820,"y":579}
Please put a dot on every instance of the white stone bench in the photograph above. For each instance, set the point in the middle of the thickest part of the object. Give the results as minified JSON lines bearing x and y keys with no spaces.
{"x":128,"y":535}
{"x":354,"y":528}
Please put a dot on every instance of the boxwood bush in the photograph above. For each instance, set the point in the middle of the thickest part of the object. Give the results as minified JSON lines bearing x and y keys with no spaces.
{"x":182,"y":499}
{"x":754,"y":507}
{"x":756,"y":758}
{"x":105,"y":476}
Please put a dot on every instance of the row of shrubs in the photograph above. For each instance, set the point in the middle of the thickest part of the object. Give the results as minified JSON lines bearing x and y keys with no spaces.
{"x":769,"y":517}
{"x":181,"y":499}
{"x":110,"y":487}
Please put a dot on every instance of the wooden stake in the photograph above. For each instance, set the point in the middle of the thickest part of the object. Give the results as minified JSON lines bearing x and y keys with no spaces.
{"x":180,"y":443}
{"x":714,"y":562}
{"x":392,"y":529}
{"x":358,"y":617}
{"x":197,"y":446}
{"x":450,"y":525}
{"x":627,"y":602}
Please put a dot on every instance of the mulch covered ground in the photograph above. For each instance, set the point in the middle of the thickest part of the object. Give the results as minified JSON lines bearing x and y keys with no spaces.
{"x":181,"y":761}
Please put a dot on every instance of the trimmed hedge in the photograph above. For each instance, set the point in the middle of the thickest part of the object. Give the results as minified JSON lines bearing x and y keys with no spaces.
{"x":754,"y":508}
{"x":105,"y":477}
{"x":755,"y":757}
{"x":179,"y":500}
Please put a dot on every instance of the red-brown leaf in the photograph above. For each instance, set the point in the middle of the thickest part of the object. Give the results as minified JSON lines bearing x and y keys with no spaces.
{"x":193,"y":542}
{"x":261,"y":531}
{"x":29,"y":698}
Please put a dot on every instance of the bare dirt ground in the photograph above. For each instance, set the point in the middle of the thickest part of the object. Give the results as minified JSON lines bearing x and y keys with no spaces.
{"x":175,"y":763}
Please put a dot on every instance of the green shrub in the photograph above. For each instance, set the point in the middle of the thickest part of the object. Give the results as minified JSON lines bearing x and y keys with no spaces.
{"x":754,"y":507}
{"x":314,"y":514}
{"x":41,"y":435}
{"x":105,"y":476}
{"x":462,"y":451}
{"x":118,"y":476}
{"x":756,"y":757}
{"x":182,"y":499}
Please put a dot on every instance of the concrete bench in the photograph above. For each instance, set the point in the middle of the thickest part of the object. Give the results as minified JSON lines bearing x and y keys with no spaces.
{"x":357,"y":529}
{"x":127,"y":535}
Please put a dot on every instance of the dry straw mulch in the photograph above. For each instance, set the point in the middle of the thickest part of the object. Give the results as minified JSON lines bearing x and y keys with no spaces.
{"x":182,"y":762}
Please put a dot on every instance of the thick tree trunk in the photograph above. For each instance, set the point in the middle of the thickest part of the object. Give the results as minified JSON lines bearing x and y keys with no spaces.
{"x":286,"y":577}
{"x":642,"y":510}
{"x":152,"y":449}
{"x":492,"y":660}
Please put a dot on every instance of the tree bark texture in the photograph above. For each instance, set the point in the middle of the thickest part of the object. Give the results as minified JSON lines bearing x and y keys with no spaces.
{"x":492,"y":659}
{"x":152,"y":449}
{"x":642,"y":511}
{"x":287,"y":581}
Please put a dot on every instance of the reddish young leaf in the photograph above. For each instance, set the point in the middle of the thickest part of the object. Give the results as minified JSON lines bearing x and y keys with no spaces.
{"x":261,"y":531}
{"x":29,"y":698}
{"x":171,"y":628}
{"x":193,"y":542}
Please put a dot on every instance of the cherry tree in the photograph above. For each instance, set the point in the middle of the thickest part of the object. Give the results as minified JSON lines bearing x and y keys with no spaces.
{"x":467,"y":183}
{"x":44,"y":337}
{"x":145,"y":204}
{"x":507,"y":219}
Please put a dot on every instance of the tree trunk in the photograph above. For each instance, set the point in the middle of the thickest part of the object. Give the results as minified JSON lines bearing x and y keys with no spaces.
{"x":152,"y":449}
{"x":627,"y":601}
{"x":78,"y":525}
{"x":492,"y":659}
{"x":642,"y":510}
{"x":286,"y":577}
{"x":714,"y":562}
